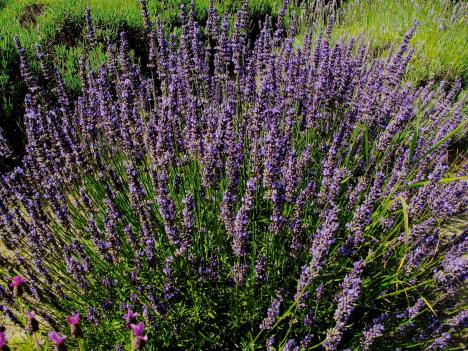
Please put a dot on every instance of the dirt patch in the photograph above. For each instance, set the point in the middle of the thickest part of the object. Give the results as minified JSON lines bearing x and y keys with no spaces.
{"x":30,"y":14}
{"x":69,"y":34}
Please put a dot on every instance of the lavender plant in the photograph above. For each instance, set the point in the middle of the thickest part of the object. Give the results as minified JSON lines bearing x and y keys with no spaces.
{"x":5,"y":149}
{"x":245,"y":194}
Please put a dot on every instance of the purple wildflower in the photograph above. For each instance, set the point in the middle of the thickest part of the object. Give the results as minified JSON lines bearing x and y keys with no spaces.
{"x":5,"y":149}
{"x":454,"y":267}
{"x":414,"y":310}
{"x":130,"y":317}
{"x":240,"y":235}
{"x":260,"y":269}
{"x":460,"y":321}
{"x":321,"y":244}
{"x":73,"y":321}
{"x":269,"y":344}
{"x":371,"y":334}
{"x":239,"y":273}
{"x":440,"y":343}
{"x":290,"y":345}
{"x":3,"y":342}
{"x":139,"y":339}
{"x":32,"y":324}
{"x":272,"y":314}
{"x":351,"y":290}
{"x":58,"y":340}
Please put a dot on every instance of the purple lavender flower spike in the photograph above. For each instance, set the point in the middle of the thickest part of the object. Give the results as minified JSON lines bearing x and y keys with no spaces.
{"x":270,"y":342}
{"x":440,"y":343}
{"x":351,"y":290}
{"x":272,"y":314}
{"x":188,"y":219}
{"x":460,"y":321}
{"x":454,"y":267}
{"x":240,"y":235}
{"x":372,"y":333}
{"x":260,"y":270}
{"x":322,"y":241}
{"x":291,"y":345}
{"x":5,"y":149}
{"x":239,"y":273}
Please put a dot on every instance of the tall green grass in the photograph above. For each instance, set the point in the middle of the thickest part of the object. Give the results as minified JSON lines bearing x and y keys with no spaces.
{"x":440,"y":46}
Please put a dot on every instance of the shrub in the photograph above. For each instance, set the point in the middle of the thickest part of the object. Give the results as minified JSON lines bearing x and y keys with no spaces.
{"x":58,"y":26}
{"x":244,"y":195}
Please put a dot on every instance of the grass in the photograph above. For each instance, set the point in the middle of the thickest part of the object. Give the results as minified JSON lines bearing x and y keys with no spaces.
{"x":440,"y":41}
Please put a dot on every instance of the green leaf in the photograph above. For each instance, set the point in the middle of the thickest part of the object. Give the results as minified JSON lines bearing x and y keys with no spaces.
{"x":428,"y":305}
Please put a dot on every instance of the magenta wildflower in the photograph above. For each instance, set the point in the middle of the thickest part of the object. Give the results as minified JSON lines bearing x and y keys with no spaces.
{"x":58,"y":340}
{"x":32,"y":325}
{"x":17,"y":285}
{"x":138,"y":329}
{"x":139,"y":339}
{"x":73,"y":322}
{"x":130,"y":317}
{"x":3,"y":343}
{"x":17,"y":281}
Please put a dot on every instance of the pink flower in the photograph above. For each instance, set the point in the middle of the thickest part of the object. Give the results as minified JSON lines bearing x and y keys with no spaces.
{"x":130,"y":317}
{"x":74,"y":319}
{"x":138,"y":329}
{"x":17,"y":281}
{"x":32,"y":324}
{"x":139,"y":339}
{"x":56,"y":338}
{"x":31,"y":315}
{"x":2,"y":340}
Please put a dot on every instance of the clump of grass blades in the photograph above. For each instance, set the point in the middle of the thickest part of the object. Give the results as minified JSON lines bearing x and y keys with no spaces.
{"x":440,"y":50}
{"x":243,"y":195}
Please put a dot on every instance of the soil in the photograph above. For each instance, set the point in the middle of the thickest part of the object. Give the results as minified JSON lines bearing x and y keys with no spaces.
{"x":31,"y":12}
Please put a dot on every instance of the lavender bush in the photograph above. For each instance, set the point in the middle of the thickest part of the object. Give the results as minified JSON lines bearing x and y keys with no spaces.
{"x":244,"y":194}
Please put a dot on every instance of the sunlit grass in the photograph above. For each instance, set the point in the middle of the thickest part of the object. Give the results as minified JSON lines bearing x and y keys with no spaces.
{"x":440,"y":41}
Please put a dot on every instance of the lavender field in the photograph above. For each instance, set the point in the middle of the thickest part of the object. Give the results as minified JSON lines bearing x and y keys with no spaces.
{"x":245,"y":185}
